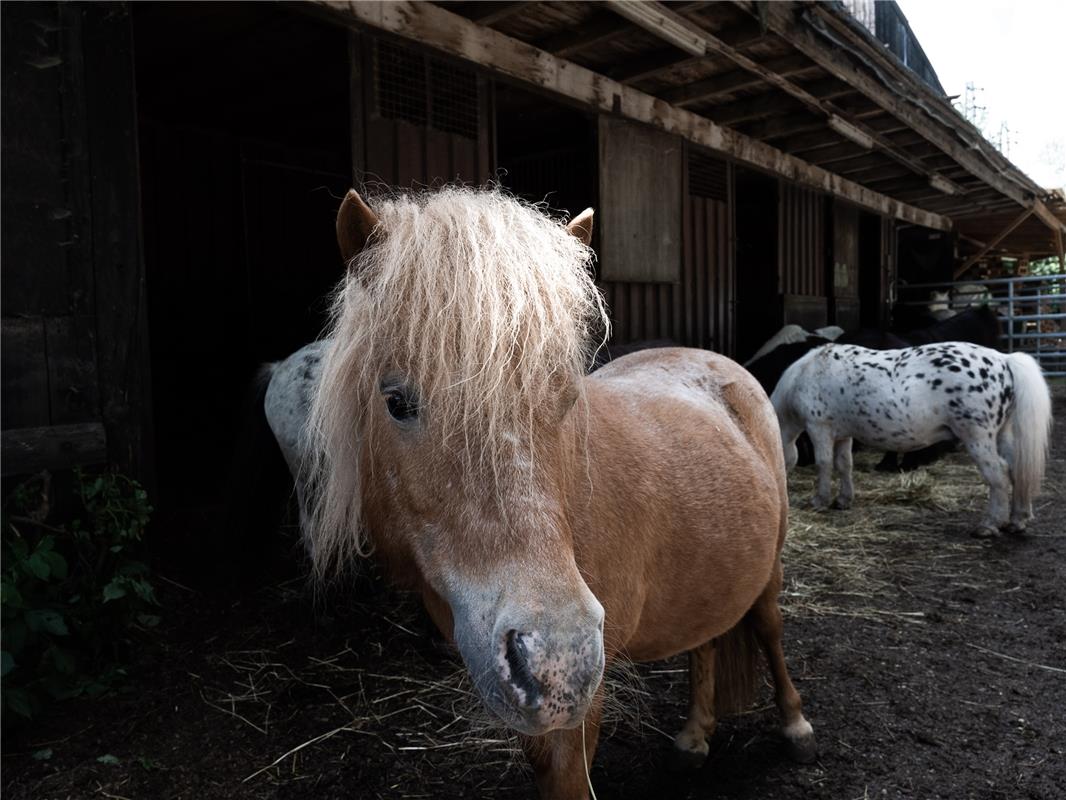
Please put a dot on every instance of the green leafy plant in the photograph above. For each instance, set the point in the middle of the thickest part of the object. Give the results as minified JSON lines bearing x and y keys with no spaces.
{"x":74,"y":595}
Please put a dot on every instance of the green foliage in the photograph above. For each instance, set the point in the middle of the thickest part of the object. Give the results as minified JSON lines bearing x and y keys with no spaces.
{"x":1045,"y":266}
{"x":74,"y":596}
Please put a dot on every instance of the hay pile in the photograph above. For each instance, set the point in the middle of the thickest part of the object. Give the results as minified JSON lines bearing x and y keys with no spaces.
{"x":905,"y":534}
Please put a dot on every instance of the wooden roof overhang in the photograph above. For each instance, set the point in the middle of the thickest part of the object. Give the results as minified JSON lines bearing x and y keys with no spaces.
{"x":797,"y":89}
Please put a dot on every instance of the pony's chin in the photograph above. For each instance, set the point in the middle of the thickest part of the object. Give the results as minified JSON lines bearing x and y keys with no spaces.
{"x":530,"y":724}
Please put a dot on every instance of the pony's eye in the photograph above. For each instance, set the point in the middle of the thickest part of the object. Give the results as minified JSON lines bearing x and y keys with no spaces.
{"x":401,"y":407}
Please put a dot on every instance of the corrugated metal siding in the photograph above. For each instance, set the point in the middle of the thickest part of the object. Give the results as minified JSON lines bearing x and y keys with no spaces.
{"x":801,"y":238}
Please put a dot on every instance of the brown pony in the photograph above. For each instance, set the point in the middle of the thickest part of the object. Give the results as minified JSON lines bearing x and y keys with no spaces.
{"x":551,"y":521}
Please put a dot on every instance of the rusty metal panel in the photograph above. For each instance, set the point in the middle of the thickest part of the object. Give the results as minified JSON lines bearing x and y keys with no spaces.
{"x":640,"y":202}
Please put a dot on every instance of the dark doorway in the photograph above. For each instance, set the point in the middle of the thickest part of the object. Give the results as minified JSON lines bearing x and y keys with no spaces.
{"x":758,"y":292}
{"x":245,"y":153}
{"x":873,"y":283}
{"x":545,"y":151}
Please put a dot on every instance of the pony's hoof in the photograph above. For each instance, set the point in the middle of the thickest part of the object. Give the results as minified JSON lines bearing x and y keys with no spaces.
{"x":983,"y":532}
{"x":1014,"y":529}
{"x":818,"y":504}
{"x":801,"y":744}
{"x":840,"y":504}
{"x":686,"y":760}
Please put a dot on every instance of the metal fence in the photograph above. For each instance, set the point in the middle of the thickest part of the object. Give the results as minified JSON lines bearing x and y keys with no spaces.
{"x":1033,"y":309}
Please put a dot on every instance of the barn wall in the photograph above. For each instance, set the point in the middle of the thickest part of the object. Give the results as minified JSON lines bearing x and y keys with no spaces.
{"x":641,"y":188}
{"x":427,"y":120}
{"x":698,"y":309}
{"x":74,"y":336}
{"x":844,"y":296}
{"x":802,"y":256}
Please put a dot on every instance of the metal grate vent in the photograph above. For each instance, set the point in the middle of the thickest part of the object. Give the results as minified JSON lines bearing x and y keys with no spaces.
{"x":400,"y":80}
{"x":707,"y":177}
{"x":424,"y":91}
{"x":453,"y":99}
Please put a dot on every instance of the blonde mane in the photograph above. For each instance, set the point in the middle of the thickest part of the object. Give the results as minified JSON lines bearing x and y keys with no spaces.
{"x":483,"y":305}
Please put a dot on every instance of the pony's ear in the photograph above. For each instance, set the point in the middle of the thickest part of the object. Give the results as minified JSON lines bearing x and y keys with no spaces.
{"x":581,"y":226}
{"x":355,"y":223}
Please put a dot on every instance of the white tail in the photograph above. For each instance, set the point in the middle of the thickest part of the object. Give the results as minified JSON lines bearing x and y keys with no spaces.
{"x":1031,"y":423}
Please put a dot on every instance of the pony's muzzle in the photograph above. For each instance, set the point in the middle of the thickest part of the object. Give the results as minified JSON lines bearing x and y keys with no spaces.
{"x":549,"y":674}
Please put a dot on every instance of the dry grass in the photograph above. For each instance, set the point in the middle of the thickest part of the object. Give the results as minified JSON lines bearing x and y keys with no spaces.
{"x":905,"y":537}
{"x":906,"y":534}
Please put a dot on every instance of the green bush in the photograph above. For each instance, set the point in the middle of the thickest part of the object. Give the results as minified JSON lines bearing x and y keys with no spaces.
{"x":74,"y":595}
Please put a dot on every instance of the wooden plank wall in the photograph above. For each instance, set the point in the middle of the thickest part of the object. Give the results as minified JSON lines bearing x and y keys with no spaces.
{"x":49,"y":333}
{"x":801,"y":238}
{"x":399,"y":153}
{"x":845,"y":310}
{"x":697,"y":310}
{"x":641,"y":191}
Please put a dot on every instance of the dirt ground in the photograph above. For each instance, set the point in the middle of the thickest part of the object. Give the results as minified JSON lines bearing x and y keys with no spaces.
{"x":931,"y":665}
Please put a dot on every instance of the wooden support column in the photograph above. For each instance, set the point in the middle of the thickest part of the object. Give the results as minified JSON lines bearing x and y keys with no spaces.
{"x":110,"y":131}
{"x":996,"y":240}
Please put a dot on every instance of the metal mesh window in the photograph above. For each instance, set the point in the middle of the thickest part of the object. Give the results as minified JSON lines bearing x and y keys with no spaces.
{"x":400,"y":78}
{"x":453,"y":99}
{"x":424,"y":91}
{"x":707,"y":177}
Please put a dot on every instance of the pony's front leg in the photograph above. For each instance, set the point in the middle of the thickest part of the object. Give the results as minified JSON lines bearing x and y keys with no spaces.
{"x":822,"y":439}
{"x":690,"y":745}
{"x":842,"y":462}
{"x":560,"y":758}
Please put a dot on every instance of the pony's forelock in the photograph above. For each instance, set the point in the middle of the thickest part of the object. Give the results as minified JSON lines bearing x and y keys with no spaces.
{"x":480,"y":303}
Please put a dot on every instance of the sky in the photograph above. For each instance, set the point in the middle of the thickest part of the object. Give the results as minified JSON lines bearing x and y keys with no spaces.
{"x":1016,"y":53}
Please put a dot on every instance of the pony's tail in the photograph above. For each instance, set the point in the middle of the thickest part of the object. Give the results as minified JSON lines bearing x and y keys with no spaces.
{"x":737,"y":669}
{"x":1031,"y":425}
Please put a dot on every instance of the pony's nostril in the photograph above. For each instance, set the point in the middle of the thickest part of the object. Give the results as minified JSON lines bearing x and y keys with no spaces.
{"x":522,"y":678}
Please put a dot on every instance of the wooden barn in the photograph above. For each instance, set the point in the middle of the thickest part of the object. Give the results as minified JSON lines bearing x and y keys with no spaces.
{"x":172,"y":171}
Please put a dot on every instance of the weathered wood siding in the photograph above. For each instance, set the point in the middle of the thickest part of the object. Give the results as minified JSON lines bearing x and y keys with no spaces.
{"x":71,"y":245}
{"x":698,"y":309}
{"x":640,"y":202}
{"x":844,"y":296}
{"x":427,"y":120}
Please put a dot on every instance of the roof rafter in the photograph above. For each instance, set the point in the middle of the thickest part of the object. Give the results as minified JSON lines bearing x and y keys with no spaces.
{"x":685,"y":34}
{"x":433,"y":26}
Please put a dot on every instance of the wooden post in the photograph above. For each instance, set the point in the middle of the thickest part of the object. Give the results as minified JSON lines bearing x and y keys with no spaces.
{"x":1026,"y":213}
{"x":110,"y":132}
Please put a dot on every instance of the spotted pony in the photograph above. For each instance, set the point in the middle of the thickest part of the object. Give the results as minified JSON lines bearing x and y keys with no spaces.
{"x":997,"y":405}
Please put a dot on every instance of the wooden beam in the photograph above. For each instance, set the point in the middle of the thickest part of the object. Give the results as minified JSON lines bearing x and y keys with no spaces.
{"x":783,"y":126}
{"x":27,"y":450}
{"x":433,"y":26}
{"x":496,"y":12}
{"x":730,"y":81}
{"x":666,"y":24}
{"x":602,"y":26}
{"x":770,"y":104}
{"x":1003,"y":234}
{"x":686,"y":35}
{"x":780,"y":18}
{"x":651,"y":66}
